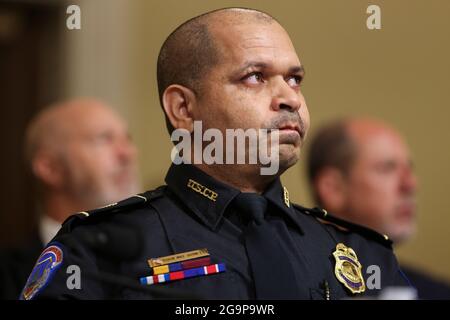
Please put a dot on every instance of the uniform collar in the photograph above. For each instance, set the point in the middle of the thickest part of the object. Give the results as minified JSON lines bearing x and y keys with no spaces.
{"x":279,"y":197}
{"x":208,"y":198}
{"x":204,"y":195}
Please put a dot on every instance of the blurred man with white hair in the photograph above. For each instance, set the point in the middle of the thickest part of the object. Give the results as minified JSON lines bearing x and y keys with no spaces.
{"x":82,"y":157}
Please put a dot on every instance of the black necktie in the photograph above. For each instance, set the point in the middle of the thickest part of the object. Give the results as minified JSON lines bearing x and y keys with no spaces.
{"x":273,"y":273}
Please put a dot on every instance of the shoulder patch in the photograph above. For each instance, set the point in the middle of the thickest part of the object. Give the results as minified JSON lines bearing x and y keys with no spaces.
{"x":131,"y":202}
{"x":46,"y":265}
{"x":324,"y":217}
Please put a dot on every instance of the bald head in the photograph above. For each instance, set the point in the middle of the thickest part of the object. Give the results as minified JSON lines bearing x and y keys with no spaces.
{"x":336,"y":144}
{"x":192,"y":49}
{"x":81,"y":154}
{"x":361,"y":129}
{"x":51,"y":128}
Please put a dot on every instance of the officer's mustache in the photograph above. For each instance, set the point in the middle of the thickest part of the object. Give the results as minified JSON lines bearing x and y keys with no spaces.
{"x":288,"y":117}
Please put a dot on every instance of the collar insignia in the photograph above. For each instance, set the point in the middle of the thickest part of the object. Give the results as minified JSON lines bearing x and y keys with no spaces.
{"x":286,"y":197}
{"x":204,"y":191}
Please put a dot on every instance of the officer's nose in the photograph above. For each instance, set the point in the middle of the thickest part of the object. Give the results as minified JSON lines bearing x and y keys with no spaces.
{"x":285,"y":97}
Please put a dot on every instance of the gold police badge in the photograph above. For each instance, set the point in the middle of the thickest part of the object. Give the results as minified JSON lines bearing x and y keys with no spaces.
{"x":348,"y":269}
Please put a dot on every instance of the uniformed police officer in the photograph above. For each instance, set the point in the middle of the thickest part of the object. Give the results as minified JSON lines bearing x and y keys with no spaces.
{"x":220,"y":231}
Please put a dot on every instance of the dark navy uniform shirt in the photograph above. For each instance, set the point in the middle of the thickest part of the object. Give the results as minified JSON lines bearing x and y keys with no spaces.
{"x":195,"y":211}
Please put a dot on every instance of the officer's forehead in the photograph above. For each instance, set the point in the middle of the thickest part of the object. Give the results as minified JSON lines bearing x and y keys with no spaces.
{"x":249,"y":39}
{"x":236,"y":20}
{"x":247,"y":30}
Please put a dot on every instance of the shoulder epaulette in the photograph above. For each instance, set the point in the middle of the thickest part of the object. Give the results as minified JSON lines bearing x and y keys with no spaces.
{"x":126,"y":204}
{"x":324,"y":217}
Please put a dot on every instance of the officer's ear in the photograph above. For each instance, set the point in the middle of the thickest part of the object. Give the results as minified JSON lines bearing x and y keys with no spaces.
{"x":178,"y":102}
{"x":48,"y":169}
{"x":331,"y":188}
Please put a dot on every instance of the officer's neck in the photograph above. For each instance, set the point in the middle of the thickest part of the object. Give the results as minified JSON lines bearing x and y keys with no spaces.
{"x":246,"y":178}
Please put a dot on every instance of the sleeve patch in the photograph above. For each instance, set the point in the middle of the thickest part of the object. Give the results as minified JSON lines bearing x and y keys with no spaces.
{"x":47,"y":264}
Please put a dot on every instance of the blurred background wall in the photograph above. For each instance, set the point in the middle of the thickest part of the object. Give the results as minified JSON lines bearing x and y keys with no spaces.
{"x":399,"y":73}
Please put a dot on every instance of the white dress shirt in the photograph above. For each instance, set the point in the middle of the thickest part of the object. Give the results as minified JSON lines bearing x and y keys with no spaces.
{"x":48,"y":228}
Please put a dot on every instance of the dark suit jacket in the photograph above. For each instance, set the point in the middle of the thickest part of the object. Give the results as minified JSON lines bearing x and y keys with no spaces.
{"x":428,"y":288}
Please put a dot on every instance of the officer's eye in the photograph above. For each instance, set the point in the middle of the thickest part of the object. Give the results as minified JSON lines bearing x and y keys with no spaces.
{"x":254,"y":78}
{"x":294,"y":81}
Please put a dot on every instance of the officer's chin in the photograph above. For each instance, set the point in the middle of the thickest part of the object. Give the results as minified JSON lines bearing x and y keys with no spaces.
{"x":289,"y":155}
